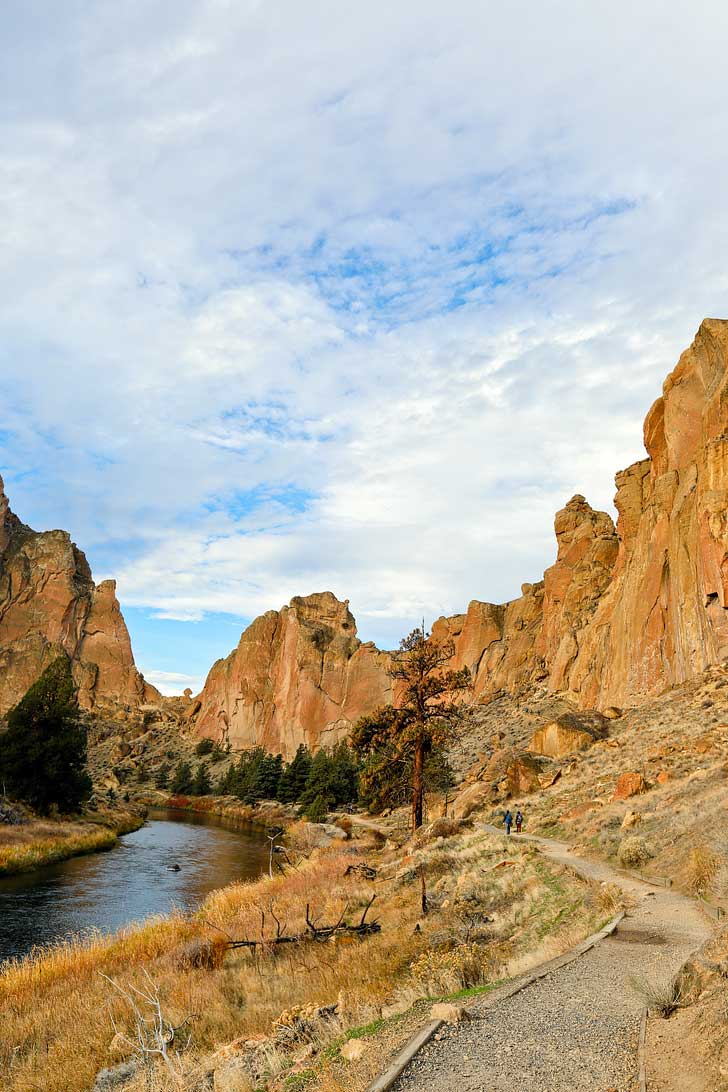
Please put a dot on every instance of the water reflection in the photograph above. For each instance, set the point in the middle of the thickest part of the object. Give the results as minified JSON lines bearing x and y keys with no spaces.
{"x":130,"y":882}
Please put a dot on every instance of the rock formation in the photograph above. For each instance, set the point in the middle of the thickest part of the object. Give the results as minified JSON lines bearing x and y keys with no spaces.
{"x":621,"y":615}
{"x":567,"y":733}
{"x":625,"y":613}
{"x":49,"y":604}
{"x":298,"y":675}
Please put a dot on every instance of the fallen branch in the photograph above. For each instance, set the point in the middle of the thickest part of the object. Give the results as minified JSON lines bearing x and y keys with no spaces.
{"x":320,"y":933}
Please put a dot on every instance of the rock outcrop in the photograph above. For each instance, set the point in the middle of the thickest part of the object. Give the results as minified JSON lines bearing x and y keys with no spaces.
{"x":623,"y":613}
{"x":568,"y":733}
{"x":626,"y":612}
{"x":49,"y":604}
{"x":298,"y":675}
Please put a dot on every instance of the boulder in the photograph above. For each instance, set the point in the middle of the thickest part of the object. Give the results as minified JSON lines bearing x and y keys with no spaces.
{"x":629,"y":784}
{"x":567,"y":733}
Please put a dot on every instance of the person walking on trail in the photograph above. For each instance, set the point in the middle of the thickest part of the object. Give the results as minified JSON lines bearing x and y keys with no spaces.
{"x":508,"y":820}
{"x":519,"y":821}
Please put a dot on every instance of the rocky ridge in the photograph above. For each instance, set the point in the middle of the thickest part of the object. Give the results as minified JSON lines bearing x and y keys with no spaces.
{"x":49,"y":605}
{"x":623,"y":613}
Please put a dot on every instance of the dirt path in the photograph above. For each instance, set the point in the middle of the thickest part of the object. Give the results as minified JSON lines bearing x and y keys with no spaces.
{"x":575,"y":1030}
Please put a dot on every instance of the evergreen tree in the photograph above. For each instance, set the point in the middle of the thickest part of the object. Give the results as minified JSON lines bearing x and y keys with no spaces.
{"x":317,"y":811}
{"x":204,"y":747}
{"x":182,"y":781}
{"x":390,"y":739}
{"x":43,"y":751}
{"x":202,"y":785}
{"x":293,"y":779}
{"x":142,"y":772}
{"x":161,"y":780}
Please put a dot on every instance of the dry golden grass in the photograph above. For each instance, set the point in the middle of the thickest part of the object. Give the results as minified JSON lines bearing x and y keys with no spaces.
{"x":25,"y":847}
{"x":58,"y":1009}
{"x":703,"y":865}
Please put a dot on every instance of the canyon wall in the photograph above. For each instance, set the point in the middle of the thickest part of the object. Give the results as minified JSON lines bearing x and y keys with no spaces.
{"x":626,"y":612}
{"x":49,"y":604}
{"x":623,"y":613}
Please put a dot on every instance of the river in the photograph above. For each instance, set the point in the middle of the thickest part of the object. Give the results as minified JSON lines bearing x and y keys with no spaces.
{"x":132,"y":881}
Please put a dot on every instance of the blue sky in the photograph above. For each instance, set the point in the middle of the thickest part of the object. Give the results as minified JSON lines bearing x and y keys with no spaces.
{"x":298,"y":297}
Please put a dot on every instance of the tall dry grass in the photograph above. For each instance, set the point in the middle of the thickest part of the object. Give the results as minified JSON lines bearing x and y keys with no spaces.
{"x":60,"y":1014}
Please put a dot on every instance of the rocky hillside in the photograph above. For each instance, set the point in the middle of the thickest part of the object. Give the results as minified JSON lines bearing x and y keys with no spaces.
{"x":49,"y":604}
{"x":624,"y":612}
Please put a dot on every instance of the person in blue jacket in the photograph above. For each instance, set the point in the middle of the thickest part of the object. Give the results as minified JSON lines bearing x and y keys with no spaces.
{"x":508,"y":820}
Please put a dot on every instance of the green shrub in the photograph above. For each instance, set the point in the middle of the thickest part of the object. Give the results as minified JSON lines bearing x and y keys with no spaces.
{"x":633,"y":851}
{"x":204,"y":747}
{"x":317,"y":811}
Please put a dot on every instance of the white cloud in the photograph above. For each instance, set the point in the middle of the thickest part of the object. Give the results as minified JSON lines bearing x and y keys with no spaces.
{"x":297,"y":297}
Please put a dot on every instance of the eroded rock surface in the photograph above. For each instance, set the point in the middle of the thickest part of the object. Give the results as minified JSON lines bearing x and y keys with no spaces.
{"x":49,"y":604}
{"x":298,"y":675}
{"x":626,"y":612}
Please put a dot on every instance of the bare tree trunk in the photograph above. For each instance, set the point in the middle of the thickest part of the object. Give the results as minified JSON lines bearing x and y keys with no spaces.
{"x":418,"y":783}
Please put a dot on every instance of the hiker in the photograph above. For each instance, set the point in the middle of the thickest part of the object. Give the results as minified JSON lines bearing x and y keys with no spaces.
{"x":508,"y":820}
{"x":519,"y":821}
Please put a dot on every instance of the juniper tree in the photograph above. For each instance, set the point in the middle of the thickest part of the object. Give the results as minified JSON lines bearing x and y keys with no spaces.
{"x":400,"y":737}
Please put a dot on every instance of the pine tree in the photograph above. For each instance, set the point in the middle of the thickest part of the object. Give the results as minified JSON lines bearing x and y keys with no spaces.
{"x":293,"y":779}
{"x":392,"y":738}
{"x":202,"y":785}
{"x":182,"y":781}
{"x":317,"y":811}
{"x":161,"y":780}
{"x":43,"y":755}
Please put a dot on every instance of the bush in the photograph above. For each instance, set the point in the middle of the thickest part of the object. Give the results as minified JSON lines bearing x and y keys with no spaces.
{"x":633,"y":852}
{"x":205,"y":747}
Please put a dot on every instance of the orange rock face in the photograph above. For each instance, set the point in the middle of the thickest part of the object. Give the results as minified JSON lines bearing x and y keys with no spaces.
{"x":621,"y":615}
{"x":298,"y":675}
{"x":49,"y":604}
{"x":624,"y":613}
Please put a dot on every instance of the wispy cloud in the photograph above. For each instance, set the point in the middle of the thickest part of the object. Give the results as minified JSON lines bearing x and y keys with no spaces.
{"x":297,"y":297}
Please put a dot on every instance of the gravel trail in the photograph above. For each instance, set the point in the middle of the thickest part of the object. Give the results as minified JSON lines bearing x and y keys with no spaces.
{"x":577,"y":1028}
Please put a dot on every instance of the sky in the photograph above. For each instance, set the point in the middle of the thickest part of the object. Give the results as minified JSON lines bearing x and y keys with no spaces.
{"x":308,"y":296}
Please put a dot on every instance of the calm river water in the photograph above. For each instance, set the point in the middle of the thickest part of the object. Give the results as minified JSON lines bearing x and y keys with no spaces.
{"x":130,"y":882}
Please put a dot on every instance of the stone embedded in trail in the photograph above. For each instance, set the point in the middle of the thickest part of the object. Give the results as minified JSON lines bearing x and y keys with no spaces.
{"x":451,"y":1014}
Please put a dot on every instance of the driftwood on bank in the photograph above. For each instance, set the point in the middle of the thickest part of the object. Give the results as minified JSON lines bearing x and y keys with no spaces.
{"x":320,"y":933}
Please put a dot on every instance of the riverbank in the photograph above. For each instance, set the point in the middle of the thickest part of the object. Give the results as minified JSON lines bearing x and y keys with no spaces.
{"x":280,"y":1012}
{"x":36,"y":842}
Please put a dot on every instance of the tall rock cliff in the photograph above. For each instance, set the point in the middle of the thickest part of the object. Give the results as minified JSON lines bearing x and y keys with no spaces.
{"x":49,"y":604}
{"x":623,"y":613}
{"x":626,"y":612}
{"x":298,"y":675}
